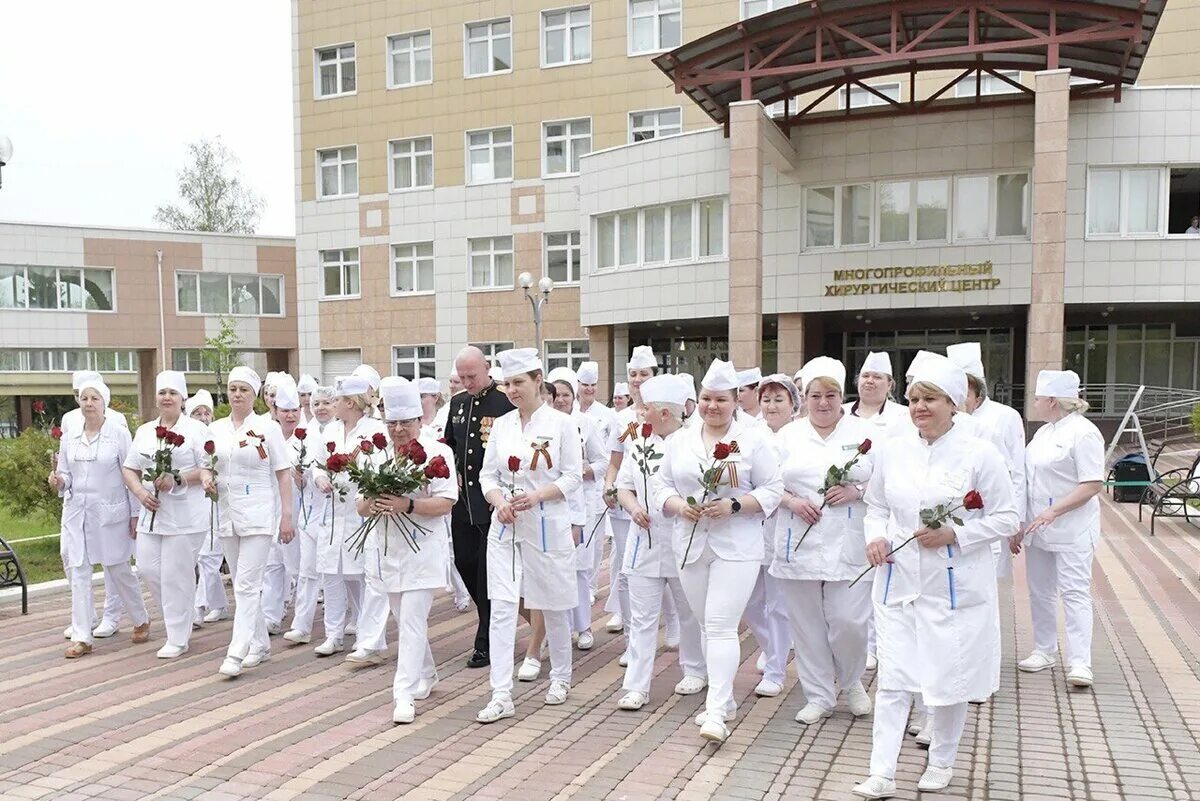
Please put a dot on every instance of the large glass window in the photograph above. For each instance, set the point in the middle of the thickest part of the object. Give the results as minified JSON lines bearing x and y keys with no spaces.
{"x":1125,"y":202}
{"x":818,"y":217}
{"x":339,"y":273}
{"x":491,"y":262}
{"x":752,"y":8}
{"x":567,"y":353}
{"x":654,"y":25}
{"x":410,"y":59}
{"x":43,"y":360}
{"x":563,"y":257}
{"x":226,"y":293}
{"x":491,"y":349}
{"x":988,"y":84}
{"x":932,"y":209}
{"x":489,"y":155}
{"x":489,"y":47}
{"x":412,"y":162}
{"x":412,"y":268}
{"x":563,"y":143}
{"x":655,"y":123}
{"x":57,"y":288}
{"x":972,"y":210}
{"x":861,"y":98}
{"x":566,"y":36}
{"x":894,"y":201}
{"x":1183,"y":201}
{"x":659,"y":234}
{"x":414,"y":361}
{"x":1141,"y":202}
{"x":338,"y":172}
{"x":335,"y":70}
{"x":856,"y":214}
{"x":1012,"y":205}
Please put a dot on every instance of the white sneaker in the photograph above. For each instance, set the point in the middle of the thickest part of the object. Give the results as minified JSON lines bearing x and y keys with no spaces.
{"x":925,"y":735}
{"x":230,"y":667}
{"x":530,"y":670}
{"x":329,"y":647}
{"x":768,"y":689}
{"x":255,"y":658}
{"x":1080,"y":676}
{"x":875,"y":787}
{"x":197,"y":619}
{"x":169,"y":651}
{"x":558,"y":692}
{"x":68,"y":632}
{"x":462,"y":604}
{"x":586,"y":641}
{"x":935,"y":779}
{"x":761,"y":663}
{"x":614,"y":624}
{"x":690,"y":685}
{"x":916,"y":724}
{"x":351,"y":629}
{"x":425,"y":687}
{"x":364,"y":656}
{"x":106,"y":629}
{"x":297,"y":636}
{"x":1035,"y":662}
{"x":216,"y":614}
{"x":274,"y":629}
{"x":872,"y":662}
{"x":632,"y":701}
{"x":496,"y":709}
{"x":812,"y":713}
{"x":624,"y":660}
{"x":714,"y":731}
{"x":671,"y":640}
{"x":404,"y":712}
{"x":858,"y":701}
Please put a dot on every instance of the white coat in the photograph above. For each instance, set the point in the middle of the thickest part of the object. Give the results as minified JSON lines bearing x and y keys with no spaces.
{"x":185,"y":508}
{"x":776,"y":441}
{"x":396,"y":567}
{"x":834,"y":549}
{"x":936,"y":615}
{"x":1003,"y":427}
{"x":1059,"y":458}
{"x":96,"y":506}
{"x":738,"y":537}
{"x":539,"y":547}
{"x":649,"y":555}
{"x":247,"y":490}
{"x":588,"y":500}
{"x":73,"y":419}
{"x":891,"y":415}
{"x":618,"y":438}
{"x":339,"y":518}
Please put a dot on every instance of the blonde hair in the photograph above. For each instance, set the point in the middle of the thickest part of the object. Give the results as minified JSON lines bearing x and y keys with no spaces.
{"x":825,"y":381}
{"x":1069,"y":405}
{"x":929,"y":388}
{"x":978,"y":386}
{"x":360,"y":401}
{"x":674,"y":409}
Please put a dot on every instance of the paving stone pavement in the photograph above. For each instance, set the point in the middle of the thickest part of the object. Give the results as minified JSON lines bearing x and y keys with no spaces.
{"x":120,"y":724}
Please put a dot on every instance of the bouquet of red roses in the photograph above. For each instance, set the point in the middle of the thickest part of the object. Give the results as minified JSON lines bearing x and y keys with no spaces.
{"x":834,"y":477}
{"x":210,"y":448}
{"x":936,"y":518}
{"x":645,"y":455}
{"x":408,"y":472}
{"x":334,"y":464}
{"x":168,"y":441}
{"x":710,"y":479}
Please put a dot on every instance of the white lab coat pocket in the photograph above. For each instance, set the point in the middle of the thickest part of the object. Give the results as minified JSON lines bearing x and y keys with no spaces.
{"x":113,"y":514}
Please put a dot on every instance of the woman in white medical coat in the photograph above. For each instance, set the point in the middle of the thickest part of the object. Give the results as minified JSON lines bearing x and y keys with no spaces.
{"x":875,"y":385}
{"x":212,"y":602}
{"x":99,"y":516}
{"x":813,"y":570}
{"x":283,"y":561}
{"x":410,"y":578}
{"x":254,"y":505}
{"x":721,"y":562}
{"x":936,"y":614}
{"x":1064,"y":471}
{"x":530,"y":549}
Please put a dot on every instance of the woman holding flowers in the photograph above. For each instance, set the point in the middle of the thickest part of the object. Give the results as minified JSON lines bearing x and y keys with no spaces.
{"x":164,"y":470}
{"x":532,"y":463}
{"x":283,"y":562}
{"x":936,"y":499}
{"x":212,"y":602}
{"x":253,"y":487}
{"x":720,"y":481}
{"x":407,"y":555}
{"x":818,"y":543}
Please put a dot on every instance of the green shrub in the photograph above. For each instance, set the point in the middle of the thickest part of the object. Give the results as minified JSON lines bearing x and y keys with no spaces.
{"x":1196,"y":420}
{"x":25,"y":464}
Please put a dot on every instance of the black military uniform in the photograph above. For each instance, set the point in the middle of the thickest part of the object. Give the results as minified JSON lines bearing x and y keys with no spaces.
{"x":468,"y":426}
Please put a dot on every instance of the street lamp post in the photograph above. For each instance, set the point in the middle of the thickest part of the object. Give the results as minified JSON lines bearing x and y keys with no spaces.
{"x":6,"y":152}
{"x":537,"y":300}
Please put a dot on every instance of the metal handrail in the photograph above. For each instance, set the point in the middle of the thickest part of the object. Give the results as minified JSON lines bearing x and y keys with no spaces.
{"x":1112,"y":400}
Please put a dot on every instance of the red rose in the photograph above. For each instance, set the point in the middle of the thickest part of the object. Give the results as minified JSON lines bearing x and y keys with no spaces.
{"x":210,"y":447}
{"x":366,"y":447}
{"x":301,"y":434}
{"x":336,"y":463}
{"x":647,"y":430}
{"x":865,"y":447}
{"x":56,"y":432}
{"x":379,"y":440}
{"x":437,"y":468}
{"x":514,"y":464}
{"x":973,"y":500}
{"x":416,"y":453}
{"x":178,"y":442}
{"x":722,"y":451}
{"x":160,"y":432}
{"x":39,"y":406}
{"x":329,"y":446}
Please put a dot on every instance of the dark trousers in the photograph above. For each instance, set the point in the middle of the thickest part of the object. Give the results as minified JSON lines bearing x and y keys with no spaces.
{"x":470,"y":559}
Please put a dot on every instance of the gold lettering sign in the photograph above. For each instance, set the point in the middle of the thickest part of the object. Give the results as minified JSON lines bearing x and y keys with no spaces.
{"x":909,"y":280}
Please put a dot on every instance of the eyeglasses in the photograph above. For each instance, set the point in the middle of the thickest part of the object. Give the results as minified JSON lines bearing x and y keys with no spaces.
{"x":394,"y":423}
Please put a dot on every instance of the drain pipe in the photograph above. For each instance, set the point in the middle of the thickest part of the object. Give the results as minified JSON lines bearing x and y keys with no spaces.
{"x":162,"y":318}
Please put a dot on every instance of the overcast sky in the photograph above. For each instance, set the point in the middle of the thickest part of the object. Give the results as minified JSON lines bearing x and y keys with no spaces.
{"x":101,"y":99}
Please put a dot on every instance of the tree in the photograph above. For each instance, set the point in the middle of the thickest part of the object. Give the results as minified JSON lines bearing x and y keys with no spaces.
{"x":220,"y":352}
{"x":214,"y":197}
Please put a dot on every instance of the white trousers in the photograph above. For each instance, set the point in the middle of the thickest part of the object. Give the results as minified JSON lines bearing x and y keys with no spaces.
{"x":829,"y":626}
{"x":372,"y":619}
{"x":308,"y":584}
{"x":645,"y":605}
{"x":168,"y":563}
{"x":283,"y":564}
{"x":581,"y":615}
{"x":670,"y":613}
{"x":502,"y":639}
{"x":1068,"y":574}
{"x":210,"y":589}
{"x":603,"y":534}
{"x":891,"y":720}
{"x":767,"y":618}
{"x":343,"y":599}
{"x":113,"y":607}
{"x":717,"y":591}
{"x":414,"y":659}
{"x":247,"y":558}
{"x":618,"y":593}
{"x":124,"y":587}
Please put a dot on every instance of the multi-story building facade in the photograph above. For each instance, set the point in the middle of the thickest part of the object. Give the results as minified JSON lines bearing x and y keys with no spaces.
{"x":948,"y":184}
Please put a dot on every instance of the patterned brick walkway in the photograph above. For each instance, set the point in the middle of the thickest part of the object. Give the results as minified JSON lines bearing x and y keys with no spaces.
{"x":120,"y":724}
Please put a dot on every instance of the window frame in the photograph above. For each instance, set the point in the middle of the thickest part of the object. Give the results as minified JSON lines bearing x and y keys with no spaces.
{"x":340,"y":77}
{"x":58,"y":283}
{"x":569,"y":29}
{"x":388,"y":58}
{"x":573,"y":359}
{"x":341,"y":173}
{"x":393,"y":289}
{"x":492,"y":251}
{"x":416,"y":361}
{"x":658,"y":40}
{"x":1015,"y":75}
{"x":569,"y":141}
{"x":57,"y":359}
{"x":872,"y":99}
{"x":657,"y":125}
{"x":199,"y":312}
{"x":344,"y":263}
{"x":391,"y":165}
{"x":772,"y":5}
{"x":575,"y":247}
{"x":639,"y":235}
{"x":492,"y":149}
{"x":1123,"y":232}
{"x":491,"y":349}
{"x":512,"y":55}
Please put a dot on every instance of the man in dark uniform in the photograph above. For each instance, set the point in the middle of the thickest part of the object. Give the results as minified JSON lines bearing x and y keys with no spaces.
{"x":468,"y":426}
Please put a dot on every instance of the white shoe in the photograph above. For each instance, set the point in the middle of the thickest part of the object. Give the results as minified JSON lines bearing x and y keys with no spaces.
{"x":496,"y":710}
{"x":462,"y":604}
{"x":1080,"y":676}
{"x":274,"y":629}
{"x":632,"y":701}
{"x":197,"y":619}
{"x":761,"y":663}
{"x":768,"y":689}
{"x":935,"y":779}
{"x":1035,"y":662}
{"x":858,"y":701}
{"x":230,"y":667}
{"x":106,"y":629}
{"x":425,"y":687}
{"x":730,"y":712}
{"x":364,"y":656}
{"x":68,"y":632}
{"x":329,"y":647}
{"x":872,"y":662}
{"x":812,"y":713}
{"x":591,"y":598}
{"x":530,"y":670}
{"x":351,"y":629}
{"x":671,"y":640}
{"x":586,"y":641}
{"x":215,"y":614}
{"x":875,"y":787}
{"x":925,"y":735}
{"x":404,"y":712}
{"x":169,"y":651}
{"x":297,"y":636}
{"x":624,"y":660}
{"x":916,"y":724}
{"x":690,"y":685}
{"x":614,"y":624}
{"x":714,"y":731}
{"x":255,"y":658}
{"x":558,"y":692}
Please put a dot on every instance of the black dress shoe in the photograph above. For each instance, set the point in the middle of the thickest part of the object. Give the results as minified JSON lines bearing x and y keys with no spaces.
{"x":479,"y":659}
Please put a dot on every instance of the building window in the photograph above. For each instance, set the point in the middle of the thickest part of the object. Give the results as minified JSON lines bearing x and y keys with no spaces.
{"x":489,"y":155}
{"x":414,"y":361}
{"x":1124,"y":202}
{"x":489,"y":47}
{"x":410,"y":59}
{"x":752,"y":8}
{"x":338,"y":168}
{"x":57,"y":288}
{"x":567,"y":353}
{"x":988,"y":84}
{"x":563,"y":257}
{"x":566,"y":36}
{"x":228,"y":293}
{"x":199,"y":360}
{"x":564,"y":142}
{"x":861,"y":98}
{"x":712,"y":227}
{"x":412,"y":268}
{"x":492,"y":349}
{"x":335,"y":70}
{"x":655,"y":123}
{"x":679,"y":232}
{"x":47,"y":361}
{"x":411,"y":162}
{"x":491,"y":262}
{"x":1183,"y":200}
{"x":654,"y":25}
{"x":900,"y":219}
{"x":339,"y":273}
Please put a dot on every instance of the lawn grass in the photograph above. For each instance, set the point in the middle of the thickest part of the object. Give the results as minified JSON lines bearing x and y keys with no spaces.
{"x":39,"y":558}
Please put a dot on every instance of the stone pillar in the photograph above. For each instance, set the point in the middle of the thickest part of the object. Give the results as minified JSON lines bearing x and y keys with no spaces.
{"x":620,"y":353}
{"x":790,"y":348}
{"x":147,"y":373}
{"x":1044,"y":347}
{"x":601,"y":350}
{"x":746,"y":122}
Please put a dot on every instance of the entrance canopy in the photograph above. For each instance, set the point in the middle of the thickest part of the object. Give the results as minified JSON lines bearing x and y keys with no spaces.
{"x":818,"y":47}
